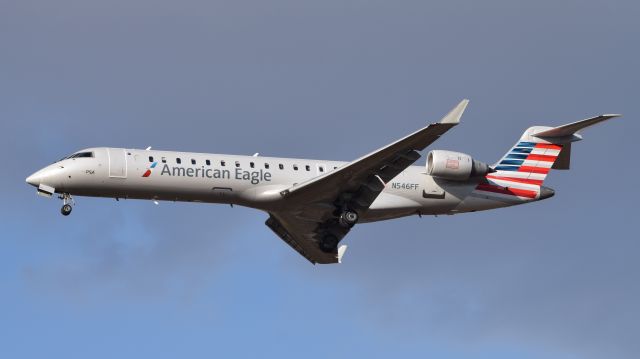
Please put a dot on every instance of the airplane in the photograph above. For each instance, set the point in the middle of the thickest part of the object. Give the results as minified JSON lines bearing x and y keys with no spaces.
{"x":313,"y":204}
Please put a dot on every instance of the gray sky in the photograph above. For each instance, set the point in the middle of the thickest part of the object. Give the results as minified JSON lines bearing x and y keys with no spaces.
{"x":329,"y":80}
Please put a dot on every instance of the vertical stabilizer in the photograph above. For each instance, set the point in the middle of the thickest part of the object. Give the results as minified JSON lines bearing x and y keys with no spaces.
{"x":540,"y":149}
{"x":522,"y":171}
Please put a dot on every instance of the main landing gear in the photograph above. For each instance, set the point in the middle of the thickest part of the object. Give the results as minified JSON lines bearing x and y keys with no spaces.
{"x":67,"y":202}
{"x":348,"y":218}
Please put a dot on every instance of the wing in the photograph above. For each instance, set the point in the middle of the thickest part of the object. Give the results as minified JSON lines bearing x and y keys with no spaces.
{"x":311,"y":225}
{"x":305,"y":237}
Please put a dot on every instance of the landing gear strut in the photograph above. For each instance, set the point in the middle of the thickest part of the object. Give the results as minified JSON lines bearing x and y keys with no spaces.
{"x":67,"y":201}
{"x":348,"y":218}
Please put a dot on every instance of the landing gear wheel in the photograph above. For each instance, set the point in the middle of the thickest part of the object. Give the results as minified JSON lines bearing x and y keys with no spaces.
{"x":329,"y":244}
{"x":66,"y":209}
{"x":67,"y":201}
{"x":348,"y":218}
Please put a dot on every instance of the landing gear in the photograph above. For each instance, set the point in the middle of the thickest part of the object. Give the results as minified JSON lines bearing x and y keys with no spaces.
{"x":348,"y":218}
{"x":67,"y":201}
{"x":66,"y":209}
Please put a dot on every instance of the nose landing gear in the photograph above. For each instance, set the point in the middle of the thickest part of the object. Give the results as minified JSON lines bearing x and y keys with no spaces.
{"x":66,"y":209}
{"x":67,"y":201}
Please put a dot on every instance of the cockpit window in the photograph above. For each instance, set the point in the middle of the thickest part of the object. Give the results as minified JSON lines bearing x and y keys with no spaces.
{"x":78,"y":155}
{"x":82,"y":155}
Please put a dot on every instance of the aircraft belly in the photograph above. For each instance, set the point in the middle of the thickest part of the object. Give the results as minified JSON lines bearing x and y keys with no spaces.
{"x":477,"y":203}
{"x":388,"y":206}
{"x":169,"y":189}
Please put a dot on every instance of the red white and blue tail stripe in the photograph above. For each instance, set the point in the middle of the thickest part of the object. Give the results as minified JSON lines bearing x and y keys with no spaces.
{"x":528,"y":161}
{"x":521,"y":172}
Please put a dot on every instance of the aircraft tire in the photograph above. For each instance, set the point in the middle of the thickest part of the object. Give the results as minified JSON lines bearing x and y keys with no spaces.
{"x":348,"y":218}
{"x":66,"y":209}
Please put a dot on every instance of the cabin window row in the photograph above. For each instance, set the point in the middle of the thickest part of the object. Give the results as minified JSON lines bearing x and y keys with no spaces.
{"x":223,"y":163}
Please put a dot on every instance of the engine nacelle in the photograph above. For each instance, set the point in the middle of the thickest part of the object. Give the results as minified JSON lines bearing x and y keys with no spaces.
{"x":455,"y":166}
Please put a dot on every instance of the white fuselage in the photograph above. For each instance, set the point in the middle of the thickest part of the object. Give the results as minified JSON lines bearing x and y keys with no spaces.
{"x":251,"y":181}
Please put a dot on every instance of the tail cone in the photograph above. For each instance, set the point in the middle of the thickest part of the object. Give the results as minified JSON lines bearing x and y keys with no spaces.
{"x":546,"y":192}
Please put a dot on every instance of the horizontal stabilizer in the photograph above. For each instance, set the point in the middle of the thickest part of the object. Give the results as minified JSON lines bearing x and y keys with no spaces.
{"x":571,"y":128}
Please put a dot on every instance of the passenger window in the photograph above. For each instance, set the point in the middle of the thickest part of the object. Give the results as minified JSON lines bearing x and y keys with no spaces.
{"x":251,"y":164}
{"x":222,"y":163}
{"x":321,"y":169}
{"x":295,"y":167}
{"x":164,"y":160}
{"x":193,"y":162}
{"x":307,"y":167}
{"x":150,"y":158}
{"x":237,"y":163}
{"x":281,"y":166}
{"x":335,"y":167}
{"x":178,"y":161}
{"x":208,"y":162}
{"x":266,"y":165}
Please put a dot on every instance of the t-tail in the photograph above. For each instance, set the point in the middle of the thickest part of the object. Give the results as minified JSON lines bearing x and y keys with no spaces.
{"x":519,"y":175}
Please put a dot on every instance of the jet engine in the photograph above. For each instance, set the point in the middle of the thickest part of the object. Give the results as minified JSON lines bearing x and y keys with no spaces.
{"x":455,"y":166}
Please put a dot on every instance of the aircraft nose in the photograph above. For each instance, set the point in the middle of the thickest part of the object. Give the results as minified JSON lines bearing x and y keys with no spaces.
{"x":34,"y":179}
{"x":46,"y":176}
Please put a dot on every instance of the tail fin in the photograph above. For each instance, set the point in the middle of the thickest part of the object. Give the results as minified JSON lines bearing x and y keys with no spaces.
{"x":528,"y":161}
{"x":541,"y":149}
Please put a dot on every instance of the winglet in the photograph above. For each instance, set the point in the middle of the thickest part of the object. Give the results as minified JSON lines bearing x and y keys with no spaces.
{"x":341,"y":250}
{"x":453,"y":117}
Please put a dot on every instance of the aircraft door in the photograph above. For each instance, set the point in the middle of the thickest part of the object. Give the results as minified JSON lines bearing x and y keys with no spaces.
{"x":117,"y":162}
